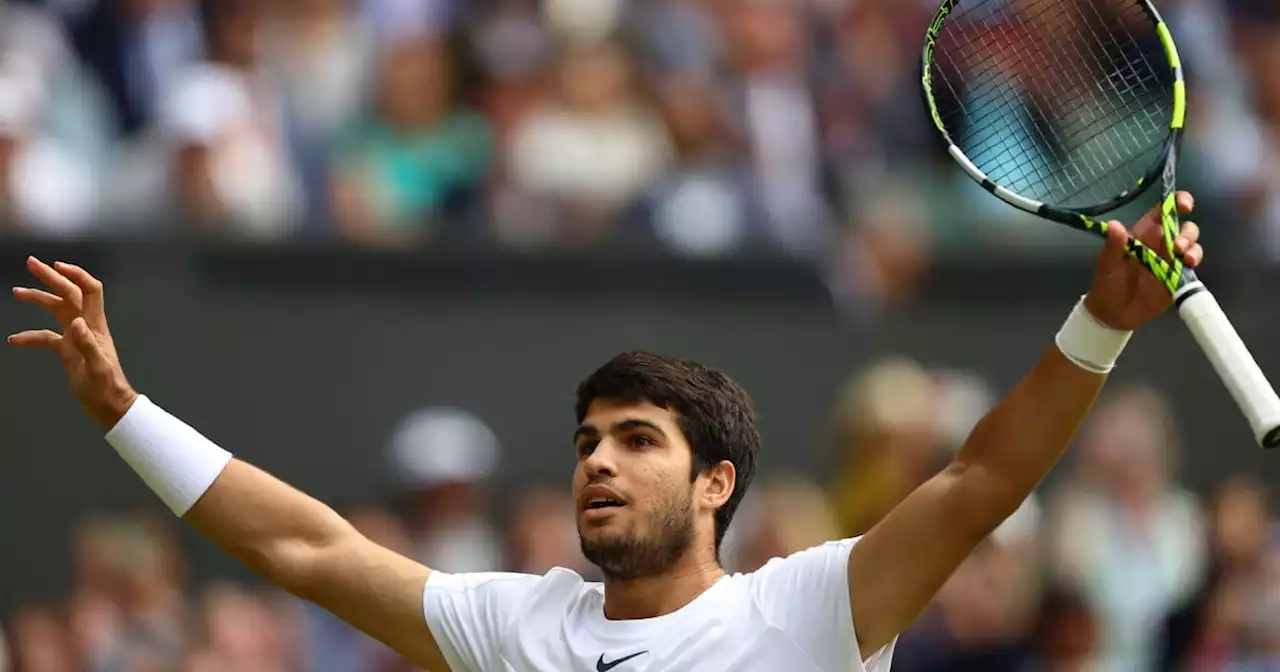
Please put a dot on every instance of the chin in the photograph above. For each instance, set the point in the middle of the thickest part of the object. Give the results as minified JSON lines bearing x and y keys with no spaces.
{"x":601,"y":532}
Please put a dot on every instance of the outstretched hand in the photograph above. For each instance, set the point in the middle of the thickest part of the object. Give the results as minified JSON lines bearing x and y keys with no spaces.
{"x":1123,"y":294}
{"x":88,"y":354}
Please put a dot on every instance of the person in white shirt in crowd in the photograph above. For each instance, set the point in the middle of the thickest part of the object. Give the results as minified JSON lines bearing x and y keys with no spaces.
{"x":608,"y":144}
{"x":1128,"y":538}
{"x":665,"y":451}
{"x":222,"y":122}
{"x":442,"y":458}
{"x":55,"y":129}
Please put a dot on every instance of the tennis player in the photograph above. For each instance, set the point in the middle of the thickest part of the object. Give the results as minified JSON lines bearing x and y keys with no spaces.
{"x":665,"y":450}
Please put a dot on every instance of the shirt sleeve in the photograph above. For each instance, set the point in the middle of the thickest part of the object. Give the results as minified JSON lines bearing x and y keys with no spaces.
{"x":806,"y":595}
{"x":468,"y":615}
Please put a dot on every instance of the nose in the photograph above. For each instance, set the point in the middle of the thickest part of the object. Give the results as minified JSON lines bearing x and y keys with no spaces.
{"x":601,"y":462}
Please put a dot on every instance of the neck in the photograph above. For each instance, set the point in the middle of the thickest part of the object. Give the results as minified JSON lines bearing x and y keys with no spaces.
{"x":660,"y":594}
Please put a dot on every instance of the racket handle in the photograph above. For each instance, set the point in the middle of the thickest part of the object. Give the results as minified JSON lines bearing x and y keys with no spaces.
{"x":1229,"y":356}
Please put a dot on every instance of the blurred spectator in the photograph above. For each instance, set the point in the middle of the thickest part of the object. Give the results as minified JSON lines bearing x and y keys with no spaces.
{"x":97,"y":618}
{"x":442,"y":458}
{"x":1264,"y":61}
{"x":130,"y":610}
{"x":770,"y":51}
{"x":979,"y":619}
{"x":583,"y":21}
{"x":415,"y":154}
{"x":679,"y":36}
{"x":40,"y":641}
{"x":872,"y":122}
{"x":1207,"y":628}
{"x":135,"y":47}
{"x":5,"y":665}
{"x":591,"y":150}
{"x":784,"y":516}
{"x":321,"y":56}
{"x":29,"y":29}
{"x":512,"y":45}
{"x":54,"y":131}
{"x":223,"y":122}
{"x":434,"y":16}
{"x":543,"y":534}
{"x":1125,"y":535}
{"x":1065,"y":634}
{"x":1260,"y":648}
{"x":701,"y":205}
{"x":885,"y":254}
{"x":1240,"y":527}
{"x":239,"y":631}
{"x":884,"y":440}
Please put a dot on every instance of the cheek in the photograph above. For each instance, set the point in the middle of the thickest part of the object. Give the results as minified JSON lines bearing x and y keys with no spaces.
{"x":579,"y":480}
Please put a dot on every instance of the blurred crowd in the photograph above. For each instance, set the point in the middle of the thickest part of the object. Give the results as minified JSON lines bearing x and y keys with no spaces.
{"x":1114,"y":566}
{"x":705,"y":126}
{"x":709,"y":127}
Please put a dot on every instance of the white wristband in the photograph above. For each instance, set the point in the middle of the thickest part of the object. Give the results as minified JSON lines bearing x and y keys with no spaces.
{"x":1090,"y":344}
{"x":176,"y":461}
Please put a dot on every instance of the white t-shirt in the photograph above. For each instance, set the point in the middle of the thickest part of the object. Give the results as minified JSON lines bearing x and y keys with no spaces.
{"x":792,"y":614}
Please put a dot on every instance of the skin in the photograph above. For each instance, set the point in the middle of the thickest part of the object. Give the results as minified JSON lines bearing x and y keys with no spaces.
{"x":638,"y":452}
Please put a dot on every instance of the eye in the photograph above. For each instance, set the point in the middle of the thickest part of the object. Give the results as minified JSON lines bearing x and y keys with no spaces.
{"x":641,"y":441}
{"x":585,"y":448}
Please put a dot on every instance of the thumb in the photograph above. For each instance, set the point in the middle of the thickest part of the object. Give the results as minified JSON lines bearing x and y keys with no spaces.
{"x":1113,"y":252}
{"x":87,"y":345}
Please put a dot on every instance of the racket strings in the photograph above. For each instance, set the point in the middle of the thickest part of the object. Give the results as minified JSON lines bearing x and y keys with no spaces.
{"x":1070,"y":176}
{"x":1000,"y":155}
{"x":1057,"y":101}
{"x":1004,"y":152}
{"x":1130,"y":74}
{"x":1077,"y":95}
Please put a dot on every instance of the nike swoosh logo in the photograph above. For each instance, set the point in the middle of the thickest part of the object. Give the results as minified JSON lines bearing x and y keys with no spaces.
{"x":602,"y":666}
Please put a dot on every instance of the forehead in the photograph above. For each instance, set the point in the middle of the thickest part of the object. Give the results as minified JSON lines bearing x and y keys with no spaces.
{"x":603,"y":413}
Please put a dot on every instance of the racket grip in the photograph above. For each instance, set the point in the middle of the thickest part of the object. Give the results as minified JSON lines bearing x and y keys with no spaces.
{"x":1229,"y":356}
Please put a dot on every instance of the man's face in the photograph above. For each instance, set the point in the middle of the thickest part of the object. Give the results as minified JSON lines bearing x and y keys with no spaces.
{"x":636,"y":507}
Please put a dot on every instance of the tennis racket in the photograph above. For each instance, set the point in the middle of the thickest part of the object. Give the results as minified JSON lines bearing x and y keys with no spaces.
{"x":1069,"y":109}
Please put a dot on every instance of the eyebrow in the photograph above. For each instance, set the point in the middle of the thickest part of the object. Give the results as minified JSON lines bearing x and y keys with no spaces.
{"x":630,"y":424}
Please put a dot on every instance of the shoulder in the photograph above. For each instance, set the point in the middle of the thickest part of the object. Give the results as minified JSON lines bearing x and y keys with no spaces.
{"x":557,"y":585}
{"x":806,"y":596}
{"x":824,"y":554}
{"x":815,"y":575}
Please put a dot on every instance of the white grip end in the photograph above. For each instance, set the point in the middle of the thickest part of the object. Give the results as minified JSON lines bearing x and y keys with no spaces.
{"x":1237,"y":368}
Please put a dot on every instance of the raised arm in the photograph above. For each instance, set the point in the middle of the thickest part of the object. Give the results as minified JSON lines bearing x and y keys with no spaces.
{"x":901,"y":563}
{"x":306,"y":548}
{"x":292,"y":540}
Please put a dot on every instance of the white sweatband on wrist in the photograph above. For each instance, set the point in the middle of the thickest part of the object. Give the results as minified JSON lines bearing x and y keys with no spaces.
{"x":1090,"y":344}
{"x":173,"y":459}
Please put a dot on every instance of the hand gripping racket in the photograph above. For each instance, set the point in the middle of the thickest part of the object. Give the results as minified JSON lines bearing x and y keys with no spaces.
{"x":1069,"y":109}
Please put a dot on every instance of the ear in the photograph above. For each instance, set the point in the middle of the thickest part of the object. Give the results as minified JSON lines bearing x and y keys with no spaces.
{"x":719,"y":482}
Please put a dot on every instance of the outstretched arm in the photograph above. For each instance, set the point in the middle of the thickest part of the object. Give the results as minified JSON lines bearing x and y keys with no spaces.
{"x":282,"y":534}
{"x":306,"y":548}
{"x":899,"y":565}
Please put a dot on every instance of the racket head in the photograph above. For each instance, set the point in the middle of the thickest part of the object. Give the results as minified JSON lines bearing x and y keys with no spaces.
{"x":1067,"y":110}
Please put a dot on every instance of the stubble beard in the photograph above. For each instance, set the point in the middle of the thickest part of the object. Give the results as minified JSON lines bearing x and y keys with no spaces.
{"x":629,"y":556}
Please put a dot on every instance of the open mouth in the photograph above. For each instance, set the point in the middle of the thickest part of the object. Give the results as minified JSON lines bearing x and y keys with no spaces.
{"x":603,"y":503}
